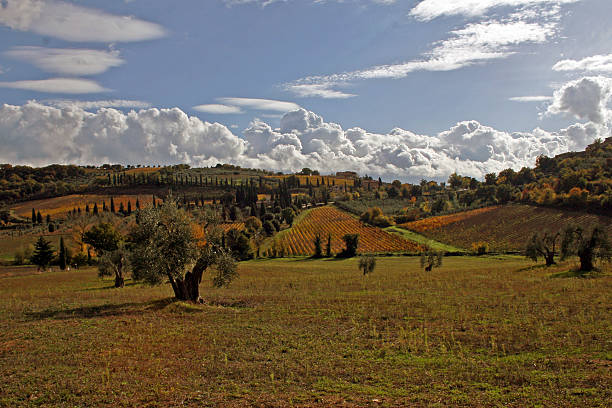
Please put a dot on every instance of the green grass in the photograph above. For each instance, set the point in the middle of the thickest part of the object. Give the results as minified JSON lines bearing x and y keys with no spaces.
{"x":421,"y":239}
{"x":489,"y":331}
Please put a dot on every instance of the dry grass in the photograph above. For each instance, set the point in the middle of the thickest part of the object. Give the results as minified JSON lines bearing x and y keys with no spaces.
{"x":475,"y":332}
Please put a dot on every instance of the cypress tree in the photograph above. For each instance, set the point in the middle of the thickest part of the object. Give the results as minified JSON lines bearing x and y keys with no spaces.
{"x":62,"y":255}
{"x":95,"y":209}
{"x":39,"y":218}
{"x":121,"y":208}
{"x":129,"y":209}
{"x":328,"y":249}
{"x":104,"y":206}
{"x":33,"y":216}
{"x":137,"y":204}
{"x":112,"y":205}
{"x":87,"y":208}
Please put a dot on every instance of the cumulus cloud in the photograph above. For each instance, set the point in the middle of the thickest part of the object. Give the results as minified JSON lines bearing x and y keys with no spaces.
{"x":67,"y":61}
{"x":57,"y":85}
{"x":585,"y":98}
{"x":596,"y":63}
{"x":428,"y":10}
{"x":39,"y":134}
{"x":71,"y":22}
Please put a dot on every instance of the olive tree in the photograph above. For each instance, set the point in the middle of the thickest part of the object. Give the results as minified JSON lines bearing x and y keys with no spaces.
{"x":108,"y":244}
{"x":588,"y":246}
{"x":544,"y":246}
{"x":164,"y":247}
{"x":367,"y":263}
{"x":431,"y":259}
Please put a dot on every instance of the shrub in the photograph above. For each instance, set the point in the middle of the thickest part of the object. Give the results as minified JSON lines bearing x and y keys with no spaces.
{"x":352,"y":242}
{"x":367,"y":263}
{"x":480,"y":248}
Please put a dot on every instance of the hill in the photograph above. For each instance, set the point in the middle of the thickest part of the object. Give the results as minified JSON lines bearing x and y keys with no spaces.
{"x":504,"y":228}
{"x":325,"y":221}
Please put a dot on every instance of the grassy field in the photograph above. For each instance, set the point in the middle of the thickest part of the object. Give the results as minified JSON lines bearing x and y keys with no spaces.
{"x":475,"y":332}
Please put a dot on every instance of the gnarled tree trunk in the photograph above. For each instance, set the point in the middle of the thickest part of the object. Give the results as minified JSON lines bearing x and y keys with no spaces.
{"x":188,"y":288}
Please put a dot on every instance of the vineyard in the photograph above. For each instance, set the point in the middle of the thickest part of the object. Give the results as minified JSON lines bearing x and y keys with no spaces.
{"x":444,"y":220}
{"x":227,"y":226}
{"x":504,"y":228}
{"x":59,"y":207}
{"x":299,"y":240}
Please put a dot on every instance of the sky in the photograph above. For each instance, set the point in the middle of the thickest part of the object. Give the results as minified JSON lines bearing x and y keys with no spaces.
{"x":402,"y":89}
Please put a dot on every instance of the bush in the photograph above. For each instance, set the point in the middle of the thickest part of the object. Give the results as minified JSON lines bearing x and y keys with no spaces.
{"x":480,"y":248}
{"x":375,"y":216}
{"x":352,"y":242}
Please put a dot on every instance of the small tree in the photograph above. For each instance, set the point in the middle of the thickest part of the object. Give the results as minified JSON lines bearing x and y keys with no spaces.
{"x":318,"y":251}
{"x":328,"y":250}
{"x":43,"y":253}
{"x":367,"y":263}
{"x":542,"y":246}
{"x":431,"y":259}
{"x":351,"y":242}
{"x":108,"y":243}
{"x":165,"y":248}
{"x":114,"y":263}
{"x":588,"y":246}
{"x":288,"y":215}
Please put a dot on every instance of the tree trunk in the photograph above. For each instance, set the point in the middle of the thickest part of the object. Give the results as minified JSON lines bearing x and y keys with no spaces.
{"x":119,"y":281}
{"x":586,"y":261}
{"x":550,"y":258}
{"x":188,"y":288}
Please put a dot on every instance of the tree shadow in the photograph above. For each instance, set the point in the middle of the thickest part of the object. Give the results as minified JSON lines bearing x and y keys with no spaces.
{"x":106,"y":310}
{"x":575,"y":273}
{"x":128,"y":283}
{"x":534,"y":267}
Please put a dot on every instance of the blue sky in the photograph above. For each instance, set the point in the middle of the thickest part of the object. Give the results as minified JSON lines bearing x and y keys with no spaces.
{"x":403,"y":89}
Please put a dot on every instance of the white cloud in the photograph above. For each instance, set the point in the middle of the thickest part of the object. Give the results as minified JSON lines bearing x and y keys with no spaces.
{"x":57,"y":85}
{"x":260,"y":104}
{"x":531,"y":98}
{"x":585,"y":98}
{"x":475,"y":43}
{"x":67,"y":61}
{"x":38,"y":134}
{"x":70,"y":22}
{"x":596,"y":63}
{"x":218,"y":109}
{"x":317,"y":91}
{"x":430,"y":9}
{"x":88,"y":105}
